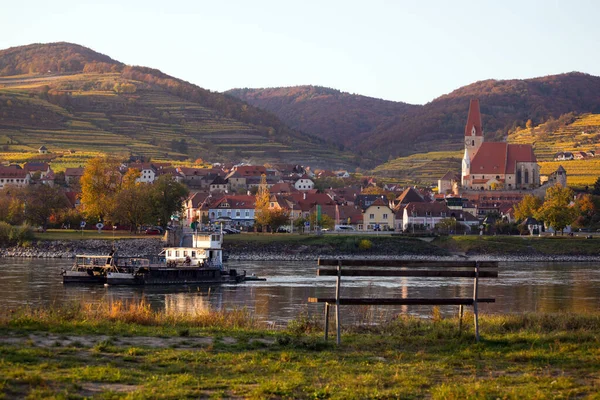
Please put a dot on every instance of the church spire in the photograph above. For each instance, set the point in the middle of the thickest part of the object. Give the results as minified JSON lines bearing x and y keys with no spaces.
{"x":474,"y":126}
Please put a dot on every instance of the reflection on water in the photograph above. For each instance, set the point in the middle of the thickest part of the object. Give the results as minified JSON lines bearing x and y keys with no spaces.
{"x":521,"y":287}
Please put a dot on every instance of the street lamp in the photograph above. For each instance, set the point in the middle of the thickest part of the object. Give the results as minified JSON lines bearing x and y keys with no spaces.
{"x":292,"y":220}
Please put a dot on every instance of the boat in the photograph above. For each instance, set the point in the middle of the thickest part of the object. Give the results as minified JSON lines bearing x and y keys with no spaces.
{"x":199,"y":263}
{"x":93,"y":269}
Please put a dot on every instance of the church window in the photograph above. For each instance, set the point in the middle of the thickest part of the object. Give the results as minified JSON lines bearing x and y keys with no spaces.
{"x":472,"y":143}
{"x":518,"y":177}
{"x":526,"y":176}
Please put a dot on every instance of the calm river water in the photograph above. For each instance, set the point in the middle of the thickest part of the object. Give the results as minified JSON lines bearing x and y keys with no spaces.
{"x":521,"y":287}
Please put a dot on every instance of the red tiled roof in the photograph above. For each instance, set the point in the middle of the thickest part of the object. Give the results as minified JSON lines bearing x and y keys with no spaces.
{"x":518,"y":153}
{"x":490,"y":159}
{"x":474,"y":119}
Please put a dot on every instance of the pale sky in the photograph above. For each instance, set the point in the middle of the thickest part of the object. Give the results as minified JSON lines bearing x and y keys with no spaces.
{"x":411,"y":51}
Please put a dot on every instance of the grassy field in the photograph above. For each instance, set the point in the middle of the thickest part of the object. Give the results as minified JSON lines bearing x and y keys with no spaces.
{"x":130,"y":352}
{"x":71,"y":234}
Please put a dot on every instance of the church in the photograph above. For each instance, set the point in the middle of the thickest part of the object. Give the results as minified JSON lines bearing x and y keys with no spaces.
{"x":495,"y":165}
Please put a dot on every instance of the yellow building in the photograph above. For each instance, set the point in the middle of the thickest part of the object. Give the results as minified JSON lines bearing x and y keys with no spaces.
{"x":378,"y":216}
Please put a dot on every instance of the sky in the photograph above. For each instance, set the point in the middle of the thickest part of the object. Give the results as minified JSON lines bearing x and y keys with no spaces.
{"x":410,"y":51}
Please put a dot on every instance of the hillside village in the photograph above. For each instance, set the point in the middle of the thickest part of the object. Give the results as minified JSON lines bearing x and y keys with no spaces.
{"x":495,"y":176}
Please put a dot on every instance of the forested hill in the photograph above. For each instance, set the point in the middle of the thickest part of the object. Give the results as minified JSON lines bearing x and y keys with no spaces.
{"x":54,"y":58}
{"x":349,"y":119}
{"x":66,"y":96}
{"x":388,"y":128}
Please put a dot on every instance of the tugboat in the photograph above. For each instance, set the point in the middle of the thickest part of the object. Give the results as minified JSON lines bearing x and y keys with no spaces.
{"x":200,"y":263}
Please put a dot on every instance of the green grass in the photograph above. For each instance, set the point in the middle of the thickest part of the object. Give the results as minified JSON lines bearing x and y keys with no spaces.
{"x":121,"y":353}
{"x":71,"y":234}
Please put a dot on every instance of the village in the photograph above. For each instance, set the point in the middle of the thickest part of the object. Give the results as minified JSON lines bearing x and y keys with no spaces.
{"x":494,"y":178}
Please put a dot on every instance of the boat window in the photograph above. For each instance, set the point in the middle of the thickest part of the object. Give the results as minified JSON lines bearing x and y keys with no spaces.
{"x":176,"y":253}
{"x":185,"y":253}
{"x":169,"y":253}
{"x":193,"y":254}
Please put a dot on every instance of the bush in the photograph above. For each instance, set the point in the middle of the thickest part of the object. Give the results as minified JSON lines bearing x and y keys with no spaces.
{"x":365,"y":245}
{"x":22,"y":234}
{"x":5,"y":233}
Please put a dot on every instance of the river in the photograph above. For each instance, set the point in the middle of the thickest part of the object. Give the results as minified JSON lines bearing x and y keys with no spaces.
{"x":521,"y":287}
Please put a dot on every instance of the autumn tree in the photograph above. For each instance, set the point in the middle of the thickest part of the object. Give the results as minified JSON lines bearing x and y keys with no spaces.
{"x":527,"y":207}
{"x":133,"y":206}
{"x":557,"y":210}
{"x":42,"y":202}
{"x":167,"y":198}
{"x":261,"y":205}
{"x":100,"y":182}
{"x":373,"y":190}
{"x":325,"y":222}
{"x":586,"y":207}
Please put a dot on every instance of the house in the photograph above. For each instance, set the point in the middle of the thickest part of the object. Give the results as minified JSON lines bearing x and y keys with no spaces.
{"x":219,"y":184}
{"x":35,"y":168}
{"x":148,"y":172}
{"x":342,"y":215}
{"x":192,"y":177}
{"x":237,"y":181}
{"x":563,"y":156}
{"x":343,"y":174}
{"x":448,"y":183}
{"x":580,"y":155}
{"x":424,"y":215}
{"x":282,"y":188}
{"x":73,"y":175}
{"x":495,"y":165}
{"x":365,"y":200}
{"x":234,"y":210}
{"x":409,"y":195}
{"x":14,"y":175}
{"x":304,"y":183}
{"x":533,"y":226}
{"x":378,"y":216}
{"x":43,"y":150}
{"x":194,"y":204}
{"x":250,"y":170}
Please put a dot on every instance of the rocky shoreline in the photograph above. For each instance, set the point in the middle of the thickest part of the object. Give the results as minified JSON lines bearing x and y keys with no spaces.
{"x":145,"y":247}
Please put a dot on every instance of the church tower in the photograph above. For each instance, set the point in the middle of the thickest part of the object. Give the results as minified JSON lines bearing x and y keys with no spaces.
{"x":473,"y":130}
{"x":466,"y":169}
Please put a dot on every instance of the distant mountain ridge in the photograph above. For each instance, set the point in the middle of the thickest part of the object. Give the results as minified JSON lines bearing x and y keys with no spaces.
{"x":346,"y":118}
{"x":398,"y":129}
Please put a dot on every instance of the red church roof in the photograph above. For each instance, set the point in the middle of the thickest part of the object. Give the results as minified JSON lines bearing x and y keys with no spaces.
{"x":474,"y":119}
{"x":495,"y":158}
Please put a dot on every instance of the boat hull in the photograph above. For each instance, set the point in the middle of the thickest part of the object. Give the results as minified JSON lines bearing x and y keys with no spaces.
{"x":83,"y":277}
{"x":174,"y":276}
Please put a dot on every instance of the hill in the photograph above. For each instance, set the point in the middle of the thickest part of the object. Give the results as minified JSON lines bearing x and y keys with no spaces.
{"x":66,"y":96}
{"x":398,"y":129}
{"x":345,"y":118}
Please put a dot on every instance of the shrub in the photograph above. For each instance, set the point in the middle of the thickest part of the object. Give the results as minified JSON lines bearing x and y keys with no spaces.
{"x":365,"y":244}
{"x":5,"y":233}
{"x":21,"y":234}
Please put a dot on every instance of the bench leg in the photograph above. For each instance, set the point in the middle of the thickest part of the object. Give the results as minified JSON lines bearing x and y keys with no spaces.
{"x":326,"y":320}
{"x":461,"y":310}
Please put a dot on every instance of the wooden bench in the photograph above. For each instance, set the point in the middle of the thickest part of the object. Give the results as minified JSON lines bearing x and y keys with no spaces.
{"x":396,"y":268}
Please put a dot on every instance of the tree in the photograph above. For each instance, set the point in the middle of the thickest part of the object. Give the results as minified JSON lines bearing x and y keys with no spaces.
{"x":130,"y":178}
{"x":261,"y":205}
{"x":596,"y":190}
{"x":100,"y":182}
{"x":42,"y":202}
{"x":373,"y":190}
{"x":527,"y":207}
{"x":557,"y":210}
{"x":326,"y":221}
{"x":167,"y":198}
{"x":133,"y":206}
{"x":529,"y":124}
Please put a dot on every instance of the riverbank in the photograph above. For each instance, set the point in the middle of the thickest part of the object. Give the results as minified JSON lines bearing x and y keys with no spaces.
{"x":251,"y":247}
{"x":120,"y":351}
